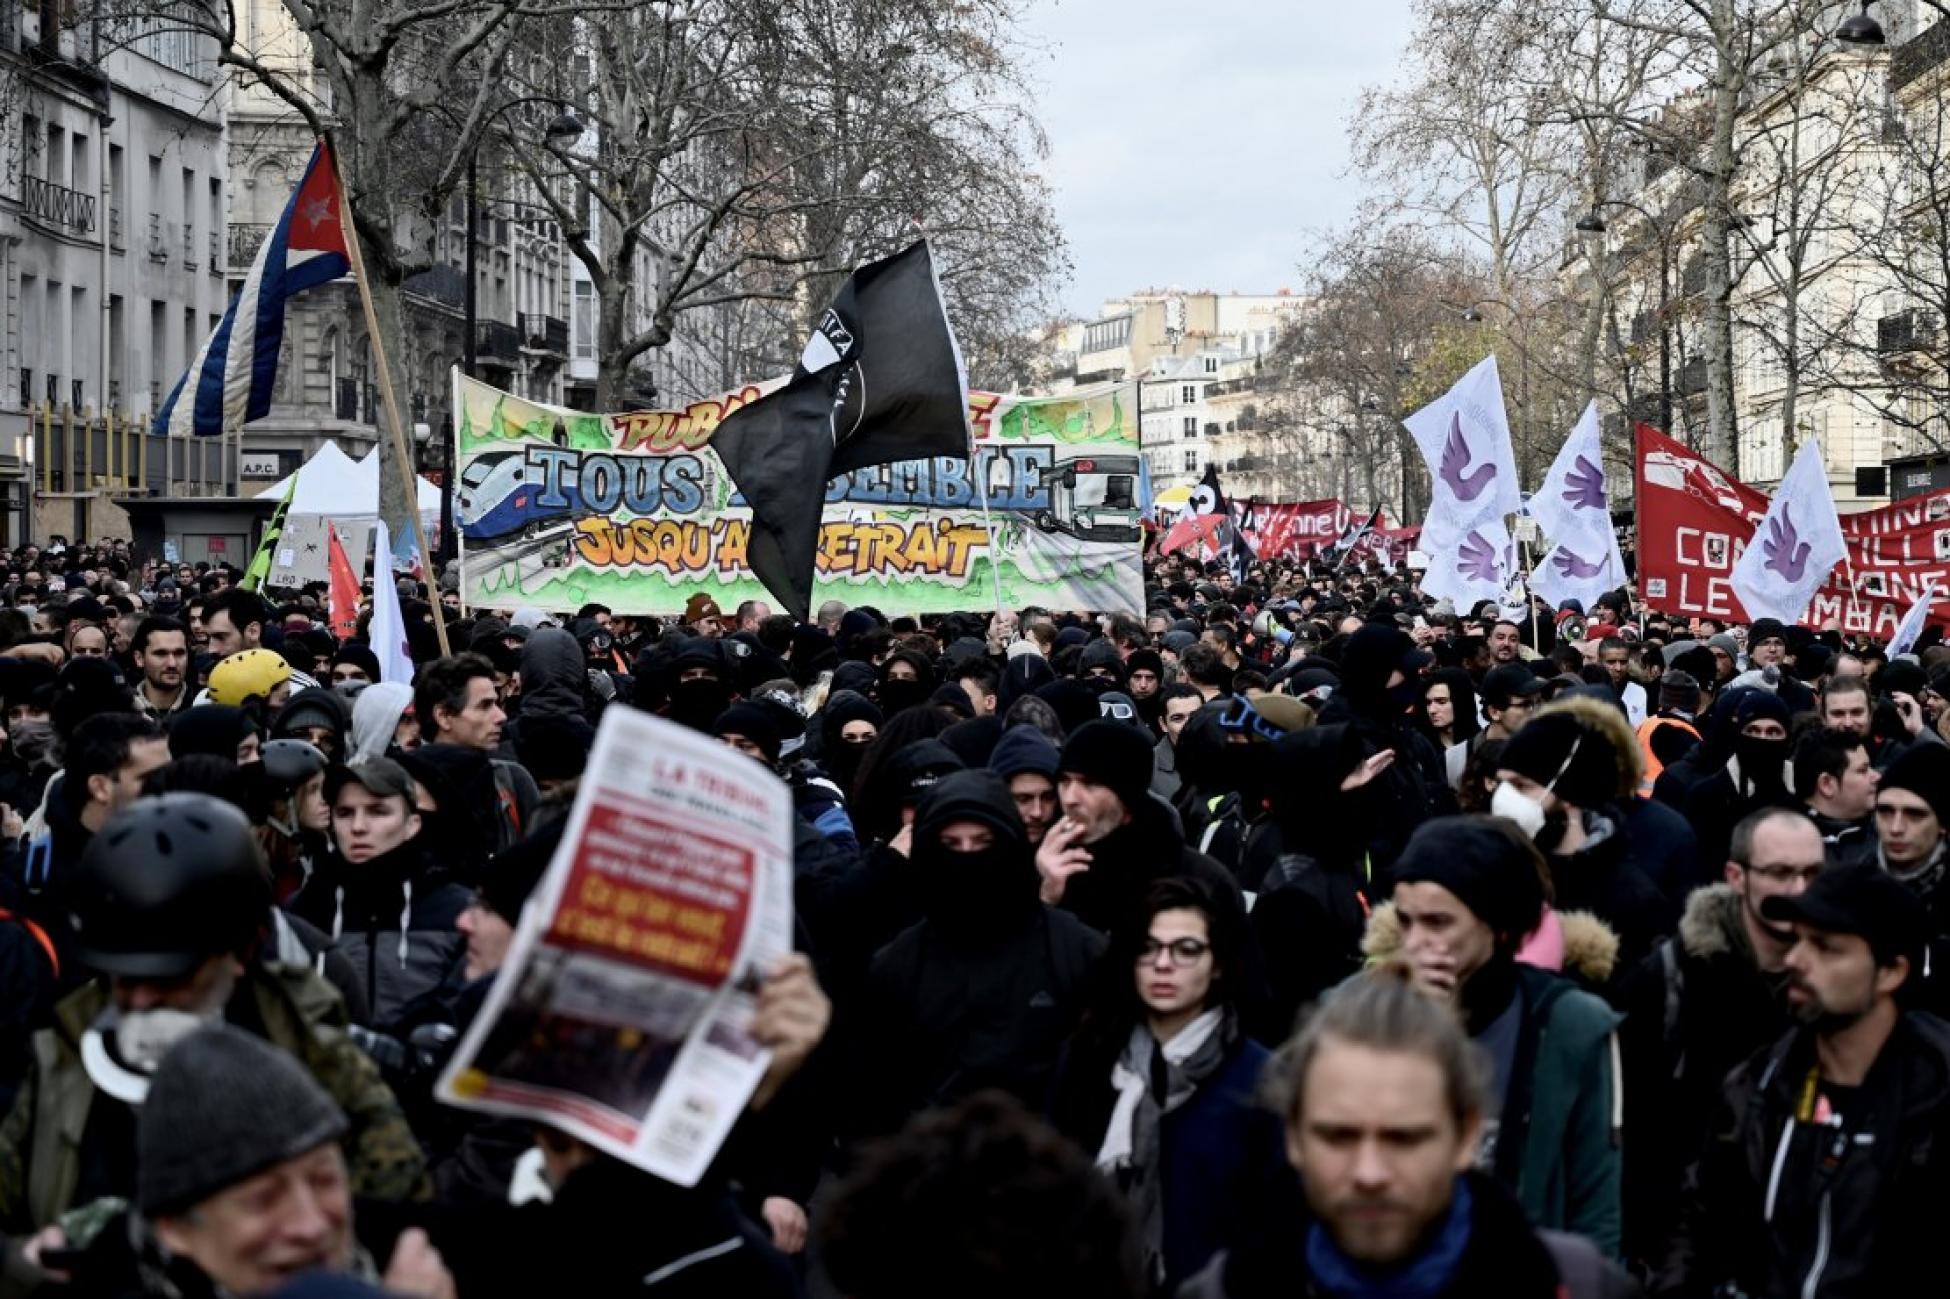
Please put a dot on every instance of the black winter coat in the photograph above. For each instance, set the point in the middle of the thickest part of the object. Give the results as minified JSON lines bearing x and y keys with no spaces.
{"x":1777,"y":1206}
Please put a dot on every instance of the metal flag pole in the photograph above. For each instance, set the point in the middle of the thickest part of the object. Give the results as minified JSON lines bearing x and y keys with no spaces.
{"x":391,"y":403}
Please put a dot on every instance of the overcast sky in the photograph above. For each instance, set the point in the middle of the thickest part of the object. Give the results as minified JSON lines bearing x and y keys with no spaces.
{"x":1194,"y":143}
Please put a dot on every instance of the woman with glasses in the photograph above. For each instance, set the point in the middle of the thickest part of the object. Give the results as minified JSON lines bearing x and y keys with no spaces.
{"x":1158,"y":1083}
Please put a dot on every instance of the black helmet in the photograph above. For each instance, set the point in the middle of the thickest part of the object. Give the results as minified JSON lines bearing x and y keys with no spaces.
{"x":289,"y":764}
{"x":169,"y":882}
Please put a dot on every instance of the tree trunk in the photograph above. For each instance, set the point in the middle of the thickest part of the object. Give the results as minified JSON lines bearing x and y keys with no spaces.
{"x":1723,"y":438}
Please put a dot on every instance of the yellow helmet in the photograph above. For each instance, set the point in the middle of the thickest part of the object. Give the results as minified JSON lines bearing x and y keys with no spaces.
{"x":251,"y":674}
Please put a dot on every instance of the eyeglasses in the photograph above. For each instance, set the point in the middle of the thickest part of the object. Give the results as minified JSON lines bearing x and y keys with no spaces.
{"x":1183,"y":951}
{"x":1786,"y":874}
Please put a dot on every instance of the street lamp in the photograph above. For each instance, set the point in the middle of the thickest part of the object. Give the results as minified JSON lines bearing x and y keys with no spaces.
{"x":1860,"y":29}
{"x":1592,"y":223}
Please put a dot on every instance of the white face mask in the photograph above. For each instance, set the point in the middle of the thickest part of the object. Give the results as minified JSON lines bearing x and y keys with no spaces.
{"x":143,"y":1037}
{"x":1512,"y":805}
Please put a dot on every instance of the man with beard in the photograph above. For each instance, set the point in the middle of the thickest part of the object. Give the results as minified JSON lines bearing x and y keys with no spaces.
{"x":1114,"y":838}
{"x":1702,"y":1003}
{"x":984,"y":990}
{"x":161,"y":650}
{"x":1826,"y":1171}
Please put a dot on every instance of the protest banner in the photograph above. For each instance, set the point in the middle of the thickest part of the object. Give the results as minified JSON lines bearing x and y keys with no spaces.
{"x":1292,"y":530}
{"x":622,"y":1013}
{"x":556,"y":508}
{"x":1694,"y":522}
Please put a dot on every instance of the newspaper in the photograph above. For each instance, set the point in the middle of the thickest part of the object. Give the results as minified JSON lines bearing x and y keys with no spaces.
{"x":622,"y":1013}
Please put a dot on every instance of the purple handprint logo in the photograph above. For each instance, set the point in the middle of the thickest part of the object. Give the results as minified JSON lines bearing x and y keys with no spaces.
{"x":1786,"y":553}
{"x":1455,"y":459}
{"x":1575,"y":566}
{"x":1584,"y":486}
{"x":1476,"y":559}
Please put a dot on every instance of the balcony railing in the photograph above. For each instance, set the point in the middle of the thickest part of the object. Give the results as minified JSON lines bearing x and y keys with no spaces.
{"x":444,"y":284}
{"x":115,"y":225}
{"x":46,"y":201}
{"x":158,"y":244}
{"x":548,"y":334}
{"x":499,"y":339}
{"x":1905,"y":331}
{"x":245,"y":240}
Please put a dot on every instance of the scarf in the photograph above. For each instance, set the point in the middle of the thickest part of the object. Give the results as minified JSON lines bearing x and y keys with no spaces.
{"x":1426,"y":1275}
{"x":1151,"y":1081}
{"x":1925,"y":878}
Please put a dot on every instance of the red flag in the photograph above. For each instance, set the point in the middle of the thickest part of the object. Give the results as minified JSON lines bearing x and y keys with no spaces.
{"x":345,"y":590}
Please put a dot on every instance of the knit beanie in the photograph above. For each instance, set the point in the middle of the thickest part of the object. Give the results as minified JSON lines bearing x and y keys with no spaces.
{"x":752,"y":721}
{"x":1924,"y":770}
{"x":1574,"y":761}
{"x":1101,"y":654}
{"x":1024,"y":748}
{"x":222,"y":1107}
{"x":1113,"y":755}
{"x":554,"y":746}
{"x":1483,"y":864}
{"x":1145,"y":660}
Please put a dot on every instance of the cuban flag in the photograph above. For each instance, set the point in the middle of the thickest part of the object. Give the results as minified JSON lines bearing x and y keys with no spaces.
{"x":229,"y":384}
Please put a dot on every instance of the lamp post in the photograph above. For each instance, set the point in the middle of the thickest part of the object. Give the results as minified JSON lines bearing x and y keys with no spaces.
{"x":1860,"y":29}
{"x":1591,"y":223}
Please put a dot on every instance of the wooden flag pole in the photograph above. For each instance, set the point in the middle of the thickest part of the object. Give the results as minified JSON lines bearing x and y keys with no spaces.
{"x":387,"y":399}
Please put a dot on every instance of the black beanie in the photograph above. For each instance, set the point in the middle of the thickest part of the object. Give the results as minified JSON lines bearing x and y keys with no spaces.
{"x":1924,"y":770}
{"x":1145,"y":660}
{"x":1480,"y":861}
{"x":754,"y":722}
{"x":1115,"y":756}
{"x":1574,"y":761}
{"x":222,"y":1107}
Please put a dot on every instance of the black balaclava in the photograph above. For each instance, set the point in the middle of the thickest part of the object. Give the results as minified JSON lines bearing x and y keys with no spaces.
{"x":974,"y":897}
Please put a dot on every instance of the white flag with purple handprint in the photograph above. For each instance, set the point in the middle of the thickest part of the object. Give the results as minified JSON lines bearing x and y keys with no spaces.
{"x":1572,"y":506}
{"x":1795,"y":547}
{"x":1912,"y":624}
{"x":1469,"y":566}
{"x":1574,"y":570}
{"x":1464,"y":435}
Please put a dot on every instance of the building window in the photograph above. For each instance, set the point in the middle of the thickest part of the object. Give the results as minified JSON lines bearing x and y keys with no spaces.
{"x":1191,"y":460}
{"x":1188,"y":394}
{"x":1191,"y":426}
{"x":1211,"y":365}
{"x":585,"y":321}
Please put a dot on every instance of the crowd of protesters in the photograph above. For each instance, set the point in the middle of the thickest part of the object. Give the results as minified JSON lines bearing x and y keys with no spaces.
{"x":1294,"y":935}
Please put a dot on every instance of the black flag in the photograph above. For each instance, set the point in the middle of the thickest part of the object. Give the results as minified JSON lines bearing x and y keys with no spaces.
{"x":1208,"y":498}
{"x":880,"y":381}
{"x":1351,"y":536}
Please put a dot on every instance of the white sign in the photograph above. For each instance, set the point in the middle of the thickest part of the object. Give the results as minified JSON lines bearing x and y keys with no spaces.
{"x":259,"y":466}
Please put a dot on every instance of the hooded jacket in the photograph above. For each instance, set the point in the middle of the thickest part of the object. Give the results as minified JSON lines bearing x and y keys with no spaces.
{"x":1695,"y":1008}
{"x":393,"y":918}
{"x":45,"y":1152}
{"x":1779,"y":1206}
{"x":375,"y":718}
{"x":1555,"y":1143}
{"x":554,"y":676}
{"x":986,"y":988}
{"x":313,"y":706}
{"x":499,"y":798}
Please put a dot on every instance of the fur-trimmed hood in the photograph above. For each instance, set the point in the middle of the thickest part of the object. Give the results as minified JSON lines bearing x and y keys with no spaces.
{"x":1590,"y":945}
{"x":1711,"y":926}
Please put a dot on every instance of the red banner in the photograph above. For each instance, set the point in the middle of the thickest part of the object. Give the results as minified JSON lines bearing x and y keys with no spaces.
{"x":1289,"y":530}
{"x":1694,"y":521}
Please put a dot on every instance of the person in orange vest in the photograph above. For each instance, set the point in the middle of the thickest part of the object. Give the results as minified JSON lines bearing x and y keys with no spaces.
{"x":1669,"y":734}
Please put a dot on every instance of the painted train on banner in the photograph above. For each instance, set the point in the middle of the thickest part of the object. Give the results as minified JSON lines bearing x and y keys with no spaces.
{"x":558,"y":508}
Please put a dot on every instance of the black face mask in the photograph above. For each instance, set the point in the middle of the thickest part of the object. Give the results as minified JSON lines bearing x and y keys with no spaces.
{"x":1762,"y":761}
{"x":1401,"y":698}
{"x":842,"y":761}
{"x":976,"y":894}
{"x":697,"y":703}
{"x":896,"y":695}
